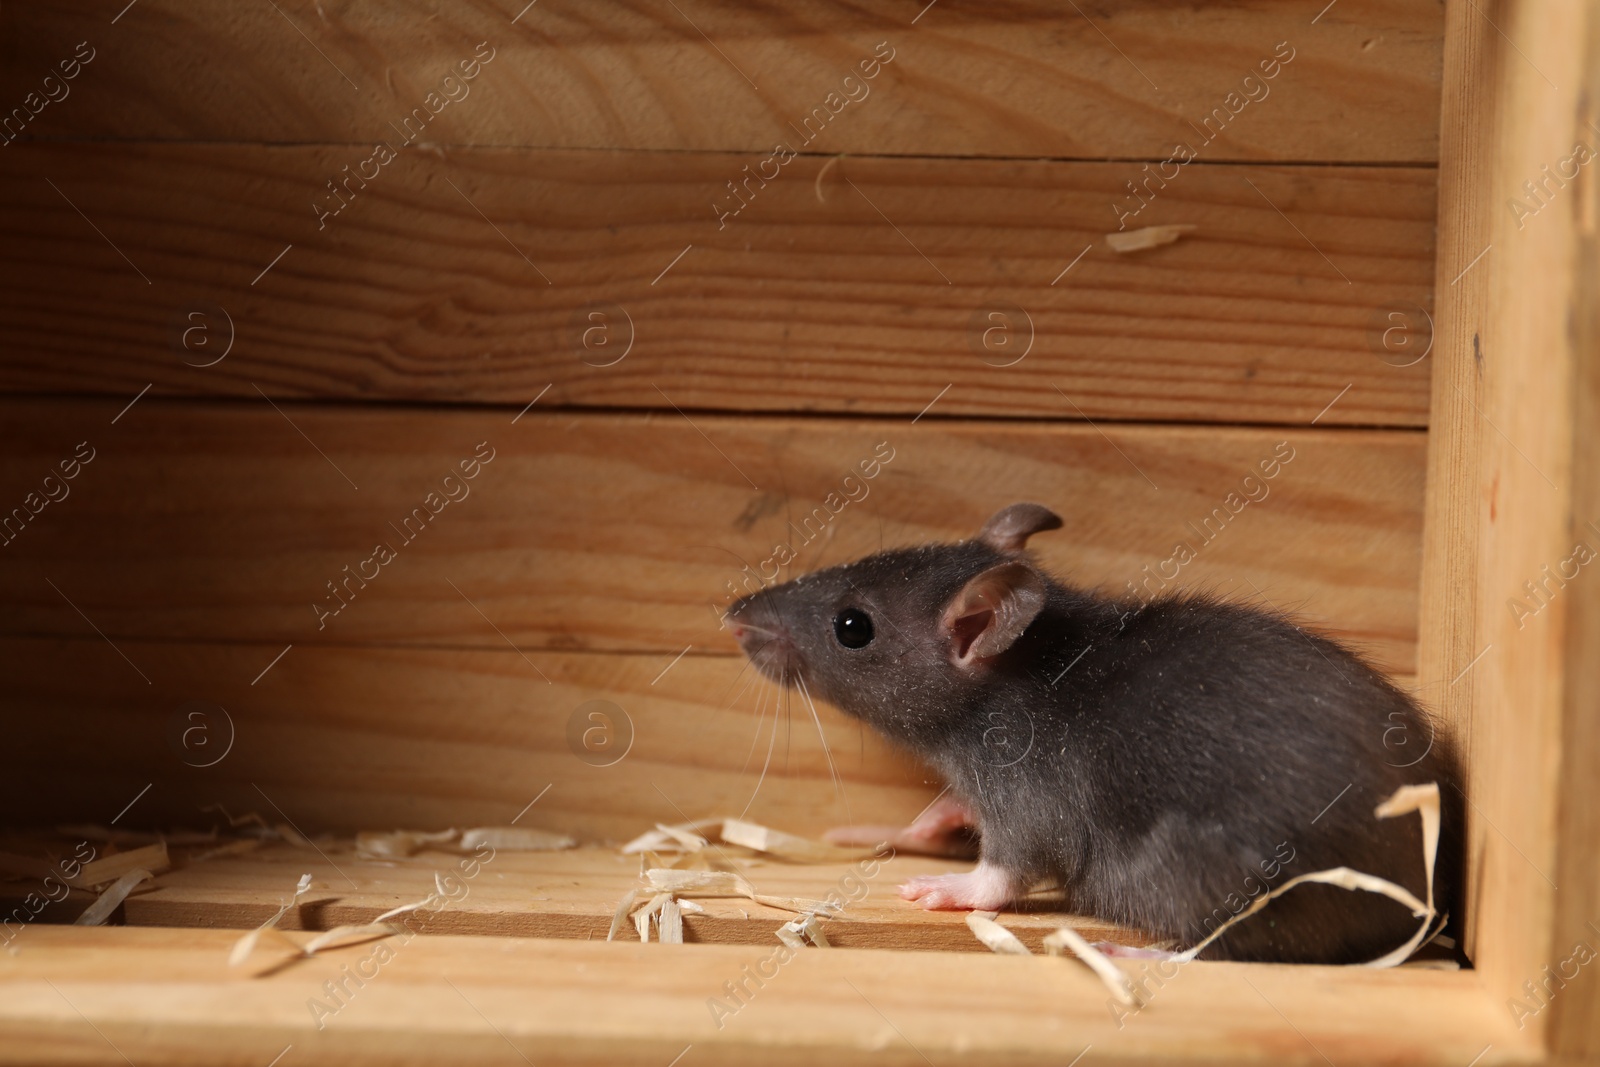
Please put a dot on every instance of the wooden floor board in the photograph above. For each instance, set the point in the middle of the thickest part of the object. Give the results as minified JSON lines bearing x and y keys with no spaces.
{"x":566,"y":894}
{"x":157,"y":996}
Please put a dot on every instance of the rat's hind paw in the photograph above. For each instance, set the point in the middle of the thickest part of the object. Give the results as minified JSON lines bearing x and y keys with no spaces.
{"x":1133,"y":952}
{"x":945,"y":828}
{"x":988,"y":888}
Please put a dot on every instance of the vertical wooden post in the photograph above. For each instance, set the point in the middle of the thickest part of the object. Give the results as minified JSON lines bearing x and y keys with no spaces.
{"x":1508,"y":652}
{"x":1575,"y":1028}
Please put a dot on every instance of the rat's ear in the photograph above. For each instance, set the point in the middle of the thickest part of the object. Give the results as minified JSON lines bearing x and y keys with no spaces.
{"x":1010,"y":528}
{"x":990,"y":612}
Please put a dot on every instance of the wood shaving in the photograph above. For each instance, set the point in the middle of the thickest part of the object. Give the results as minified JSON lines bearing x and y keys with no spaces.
{"x":669,"y":923}
{"x":514,"y":839}
{"x":669,"y":838}
{"x":112,"y":898}
{"x":399,"y":844}
{"x":247,"y":944}
{"x":813,"y":930}
{"x":151,"y":858}
{"x":785,"y":846}
{"x":1422,"y":799}
{"x":795,"y":932}
{"x":685,"y":837}
{"x":694,"y":839}
{"x":404,"y":909}
{"x":293,"y":836}
{"x":642,"y":917}
{"x":651,"y":841}
{"x":709,"y":860}
{"x":726,"y":884}
{"x":340,"y":936}
{"x":1149,"y":237}
{"x":816,"y":187}
{"x":621,"y":915}
{"x":1117,"y":983}
{"x":789,"y":934}
{"x":996,"y":938}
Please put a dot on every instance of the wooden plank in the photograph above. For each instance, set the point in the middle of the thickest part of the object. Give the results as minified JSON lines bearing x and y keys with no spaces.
{"x":1020,"y":79}
{"x":342,"y":739}
{"x":167,"y":997}
{"x":629,"y":532}
{"x":1572,"y":1028}
{"x":609,"y":279}
{"x":570,"y":894}
{"x":1512,"y":390}
{"x":1572,"y":1031}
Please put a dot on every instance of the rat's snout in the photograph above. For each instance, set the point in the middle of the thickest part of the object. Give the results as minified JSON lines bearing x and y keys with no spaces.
{"x":762,"y":636}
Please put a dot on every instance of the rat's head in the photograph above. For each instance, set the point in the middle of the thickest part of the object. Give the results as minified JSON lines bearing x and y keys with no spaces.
{"x":888,"y":638}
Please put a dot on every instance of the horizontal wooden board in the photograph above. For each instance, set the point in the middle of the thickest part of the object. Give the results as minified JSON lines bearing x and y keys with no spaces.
{"x":203,"y":522}
{"x":341,"y":739}
{"x":569,"y":894}
{"x":861,"y":285}
{"x":168,"y":997}
{"x":1020,"y":78}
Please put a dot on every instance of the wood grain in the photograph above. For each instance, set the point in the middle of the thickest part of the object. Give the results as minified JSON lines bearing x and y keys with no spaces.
{"x":1020,"y":78}
{"x":342,"y":739}
{"x":487,"y":275}
{"x":1514,"y":436}
{"x":1572,"y":1028}
{"x":1472,"y":112}
{"x":208,"y":522}
{"x":167,"y":997}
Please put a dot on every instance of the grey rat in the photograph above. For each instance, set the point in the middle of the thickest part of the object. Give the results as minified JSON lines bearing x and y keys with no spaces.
{"x":1162,"y":764}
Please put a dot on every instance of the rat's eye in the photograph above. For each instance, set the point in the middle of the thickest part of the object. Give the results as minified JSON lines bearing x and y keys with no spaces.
{"x":853,"y":628}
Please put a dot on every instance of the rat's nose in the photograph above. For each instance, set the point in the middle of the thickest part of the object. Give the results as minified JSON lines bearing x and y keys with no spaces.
{"x":753,"y":636}
{"x":757,"y":629}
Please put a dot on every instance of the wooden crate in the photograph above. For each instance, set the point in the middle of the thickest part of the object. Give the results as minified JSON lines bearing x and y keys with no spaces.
{"x":253,"y":378}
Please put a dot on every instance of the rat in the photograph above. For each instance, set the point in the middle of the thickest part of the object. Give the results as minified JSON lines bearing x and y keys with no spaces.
{"x":1162,"y":764}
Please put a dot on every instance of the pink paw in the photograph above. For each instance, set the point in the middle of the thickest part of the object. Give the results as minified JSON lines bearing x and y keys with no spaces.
{"x":987,"y":888}
{"x":1133,"y":952}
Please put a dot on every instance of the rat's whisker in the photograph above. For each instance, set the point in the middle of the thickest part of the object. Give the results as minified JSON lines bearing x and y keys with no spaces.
{"x":833,"y":772}
{"x":761,"y":708}
{"x":771,"y":741}
{"x":724,"y":704}
{"x":788,"y":721}
{"x":762,"y":630}
{"x":743,"y":689}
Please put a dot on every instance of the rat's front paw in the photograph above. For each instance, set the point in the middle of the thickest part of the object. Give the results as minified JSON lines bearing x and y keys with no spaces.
{"x":988,"y":888}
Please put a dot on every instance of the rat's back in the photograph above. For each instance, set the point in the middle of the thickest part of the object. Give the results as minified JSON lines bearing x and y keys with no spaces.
{"x":1227,"y":751}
